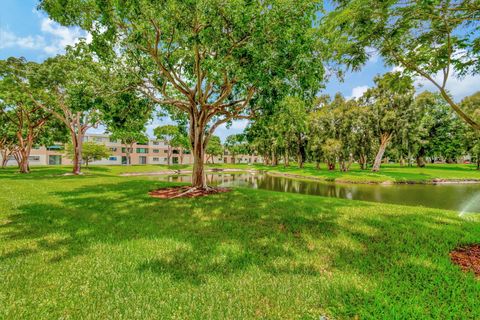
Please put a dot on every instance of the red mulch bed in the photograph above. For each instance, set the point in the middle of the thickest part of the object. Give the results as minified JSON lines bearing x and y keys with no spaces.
{"x":468,"y":258}
{"x":183,"y":192}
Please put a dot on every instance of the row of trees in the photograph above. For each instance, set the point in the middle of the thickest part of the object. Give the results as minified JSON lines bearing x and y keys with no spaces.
{"x":387,"y":120}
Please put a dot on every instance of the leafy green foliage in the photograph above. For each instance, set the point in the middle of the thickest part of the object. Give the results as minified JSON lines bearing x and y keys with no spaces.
{"x":91,"y":151}
{"x":432,"y":39}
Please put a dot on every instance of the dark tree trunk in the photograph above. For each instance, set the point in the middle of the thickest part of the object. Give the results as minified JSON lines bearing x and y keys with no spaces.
{"x":300,"y":159}
{"x":420,"y":162}
{"x":287,"y":159}
{"x":274,"y":159}
{"x":331,"y":165}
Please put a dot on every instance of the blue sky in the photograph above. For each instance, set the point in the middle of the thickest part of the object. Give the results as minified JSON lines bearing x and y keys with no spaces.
{"x":26,"y":32}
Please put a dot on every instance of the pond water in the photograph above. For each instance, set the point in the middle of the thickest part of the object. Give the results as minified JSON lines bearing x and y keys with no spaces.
{"x":459,"y":197}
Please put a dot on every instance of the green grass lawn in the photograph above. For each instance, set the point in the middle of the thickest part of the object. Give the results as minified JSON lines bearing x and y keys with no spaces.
{"x":97,"y":246}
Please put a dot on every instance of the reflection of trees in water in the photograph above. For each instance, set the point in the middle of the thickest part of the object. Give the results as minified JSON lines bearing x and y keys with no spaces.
{"x":447,"y":196}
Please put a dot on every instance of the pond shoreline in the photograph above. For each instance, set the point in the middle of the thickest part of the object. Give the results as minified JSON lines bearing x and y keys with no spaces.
{"x":435,"y":181}
{"x":431,"y":181}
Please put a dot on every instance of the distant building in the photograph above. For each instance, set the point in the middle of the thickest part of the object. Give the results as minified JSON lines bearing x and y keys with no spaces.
{"x":153,"y":152}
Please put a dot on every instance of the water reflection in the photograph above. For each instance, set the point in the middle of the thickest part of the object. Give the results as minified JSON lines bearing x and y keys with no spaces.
{"x":449,"y":196}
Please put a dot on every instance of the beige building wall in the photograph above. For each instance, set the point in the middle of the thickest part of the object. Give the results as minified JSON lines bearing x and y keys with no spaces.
{"x":155,"y":152}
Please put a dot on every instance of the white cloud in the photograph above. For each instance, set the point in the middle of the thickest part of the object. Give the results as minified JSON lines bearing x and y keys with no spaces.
{"x":357,"y":92}
{"x":459,"y":88}
{"x":374,"y":55}
{"x":52,"y":40}
{"x":61,"y":36}
{"x":10,"y":40}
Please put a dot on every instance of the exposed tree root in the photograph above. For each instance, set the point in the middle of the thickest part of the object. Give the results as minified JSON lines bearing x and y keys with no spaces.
{"x":185,"y":192}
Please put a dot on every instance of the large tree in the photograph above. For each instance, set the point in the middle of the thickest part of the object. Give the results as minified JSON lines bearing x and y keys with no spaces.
{"x":167,"y":134}
{"x":214,"y":148}
{"x":91,"y":151}
{"x":434,"y":39}
{"x":8,"y":141}
{"x":16,"y":107}
{"x":126,"y":114}
{"x":236,"y":144}
{"x":390,"y":102}
{"x":205,"y":58}
{"x":72,"y":88}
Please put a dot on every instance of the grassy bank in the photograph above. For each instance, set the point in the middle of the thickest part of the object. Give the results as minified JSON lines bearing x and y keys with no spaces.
{"x":97,"y":246}
{"x":391,"y":173}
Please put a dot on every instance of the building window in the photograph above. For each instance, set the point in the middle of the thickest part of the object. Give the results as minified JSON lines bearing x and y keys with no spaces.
{"x":156,"y":151}
{"x":142,"y":150}
{"x":34,"y":158}
{"x":124,"y":150}
{"x":55,"y":148}
{"x":112,"y":158}
{"x":165,"y":159}
{"x":113,"y":149}
{"x":176,"y":152}
{"x":112,"y":140}
{"x":97,"y":139}
{"x":155,"y":159}
{"x":186,"y":151}
{"x":165,"y":151}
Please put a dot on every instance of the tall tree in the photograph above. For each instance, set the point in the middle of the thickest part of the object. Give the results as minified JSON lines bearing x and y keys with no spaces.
{"x":73,"y":87}
{"x":126,"y":114}
{"x":291,"y":125}
{"x":168,"y":134}
{"x":390,"y":101}
{"x":236,"y":144}
{"x":207,"y":59}
{"x":8,"y":141}
{"x":433,"y":39}
{"x":91,"y":152}
{"x":214,"y":148}
{"x":471,"y":105}
{"x":16,"y":107}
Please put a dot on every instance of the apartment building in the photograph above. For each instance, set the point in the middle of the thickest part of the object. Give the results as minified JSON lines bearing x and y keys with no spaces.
{"x":153,"y":152}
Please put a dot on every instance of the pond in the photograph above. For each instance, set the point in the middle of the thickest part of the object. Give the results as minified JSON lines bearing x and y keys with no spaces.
{"x":458,"y":197}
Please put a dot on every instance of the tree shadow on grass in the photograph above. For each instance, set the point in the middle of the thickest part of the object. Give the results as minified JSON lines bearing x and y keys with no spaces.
{"x":248,"y":222}
{"x":396,"y":251}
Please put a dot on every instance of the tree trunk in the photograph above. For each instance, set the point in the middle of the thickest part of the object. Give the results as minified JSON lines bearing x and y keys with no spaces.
{"x":181,"y":156}
{"x":300,"y":159}
{"x":77,"y":142}
{"x":384,"y":140}
{"x":331,"y":166}
{"x":317,"y":165}
{"x":197,"y":139}
{"x":420,"y":162}
{"x":363,"y":162}
{"x":24,"y":151}
{"x":169,"y":154}
{"x":287,"y":159}
{"x":5,"y":155}
{"x":478,"y":162}
{"x":274,"y":159}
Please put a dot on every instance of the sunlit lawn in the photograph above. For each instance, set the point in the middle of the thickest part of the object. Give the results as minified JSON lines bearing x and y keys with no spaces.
{"x":97,"y":246}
